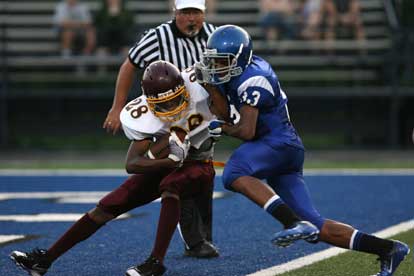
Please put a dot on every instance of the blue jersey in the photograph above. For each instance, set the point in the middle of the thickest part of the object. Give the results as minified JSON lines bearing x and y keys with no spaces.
{"x":276,"y":154}
{"x":258,"y":86}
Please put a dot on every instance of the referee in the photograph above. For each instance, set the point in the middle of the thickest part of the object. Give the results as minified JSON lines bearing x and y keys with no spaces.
{"x":180,"y":41}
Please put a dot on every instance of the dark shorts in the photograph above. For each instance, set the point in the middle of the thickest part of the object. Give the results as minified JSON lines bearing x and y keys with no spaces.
{"x":193,"y":178}
{"x":114,"y":41}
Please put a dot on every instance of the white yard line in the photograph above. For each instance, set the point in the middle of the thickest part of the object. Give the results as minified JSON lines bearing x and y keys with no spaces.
{"x":9,"y":238}
{"x":52,"y":217}
{"x":52,"y":195}
{"x":72,"y":197}
{"x":328,"y":253}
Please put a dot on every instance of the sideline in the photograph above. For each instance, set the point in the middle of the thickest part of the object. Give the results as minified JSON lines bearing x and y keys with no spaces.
{"x":219,"y":172}
{"x":328,"y":253}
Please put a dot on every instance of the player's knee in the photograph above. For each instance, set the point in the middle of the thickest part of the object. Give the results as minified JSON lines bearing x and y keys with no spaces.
{"x":169,"y":194}
{"x":228,"y":180}
{"x":100,"y":216}
{"x":171,"y":189}
{"x":233,"y":171}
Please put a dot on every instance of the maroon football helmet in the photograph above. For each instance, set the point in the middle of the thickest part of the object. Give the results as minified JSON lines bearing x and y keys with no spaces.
{"x":164,"y":88}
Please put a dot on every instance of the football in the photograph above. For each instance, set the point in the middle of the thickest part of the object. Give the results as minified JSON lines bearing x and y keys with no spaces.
{"x":181,"y":133}
{"x":160,"y":148}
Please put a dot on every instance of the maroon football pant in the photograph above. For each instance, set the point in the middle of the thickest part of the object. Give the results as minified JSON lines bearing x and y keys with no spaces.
{"x":194,"y":179}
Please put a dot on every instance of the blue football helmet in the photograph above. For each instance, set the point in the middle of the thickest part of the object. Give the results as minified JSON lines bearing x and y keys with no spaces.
{"x":229,"y":51}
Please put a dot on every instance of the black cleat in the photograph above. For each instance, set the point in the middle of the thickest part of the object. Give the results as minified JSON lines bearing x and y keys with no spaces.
{"x":203,"y":249}
{"x":35,"y":262}
{"x":390,"y":262}
{"x":151,"y":267}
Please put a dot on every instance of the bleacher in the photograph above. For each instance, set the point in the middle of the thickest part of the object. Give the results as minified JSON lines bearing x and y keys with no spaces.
{"x":31,"y":49}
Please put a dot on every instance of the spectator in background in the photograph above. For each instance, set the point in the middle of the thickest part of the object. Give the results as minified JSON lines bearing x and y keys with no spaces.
{"x":278,"y":18}
{"x":311,"y":19}
{"x":344,"y":14}
{"x":211,"y":6}
{"x":114,"y":26}
{"x":404,"y":40}
{"x":75,"y":27}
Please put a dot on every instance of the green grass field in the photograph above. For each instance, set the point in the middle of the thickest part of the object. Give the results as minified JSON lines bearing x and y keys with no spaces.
{"x":103,"y":151}
{"x":357,"y":264}
{"x":110,"y":164}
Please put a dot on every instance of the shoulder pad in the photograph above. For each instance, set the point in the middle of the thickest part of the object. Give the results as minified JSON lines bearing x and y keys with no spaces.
{"x":136,"y":115}
{"x":196,"y":91}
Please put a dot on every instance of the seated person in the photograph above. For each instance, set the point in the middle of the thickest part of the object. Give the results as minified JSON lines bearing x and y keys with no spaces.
{"x":343,"y":14}
{"x":278,"y":18}
{"x":311,"y":19}
{"x":114,"y":26}
{"x":74,"y":24}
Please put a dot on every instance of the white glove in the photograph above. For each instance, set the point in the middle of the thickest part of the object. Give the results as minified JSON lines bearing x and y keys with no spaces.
{"x":178,"y":149}
{"x":214,"y":128}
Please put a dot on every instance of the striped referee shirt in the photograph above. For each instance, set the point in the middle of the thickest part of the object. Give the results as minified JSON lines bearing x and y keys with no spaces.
{"x":166,"y":42}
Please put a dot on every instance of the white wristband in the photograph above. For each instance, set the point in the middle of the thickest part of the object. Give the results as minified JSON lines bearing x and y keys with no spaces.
{"x":150,"y":155}
{"x":174,"y":158}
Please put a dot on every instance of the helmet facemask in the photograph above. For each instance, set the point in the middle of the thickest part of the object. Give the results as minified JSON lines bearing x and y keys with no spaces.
{"x":171,"y":105}
{"x":217,"y":68}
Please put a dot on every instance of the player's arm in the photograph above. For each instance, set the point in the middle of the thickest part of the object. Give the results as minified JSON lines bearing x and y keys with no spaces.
{"x":218,"y":103}
{"x":245,"y":129}
{"x":139,"y":158}
{"x":255,"y":94}
{"x":124,"y":81}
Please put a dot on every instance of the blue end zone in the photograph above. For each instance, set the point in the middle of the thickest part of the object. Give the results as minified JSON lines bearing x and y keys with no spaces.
{"x":242,"y":231}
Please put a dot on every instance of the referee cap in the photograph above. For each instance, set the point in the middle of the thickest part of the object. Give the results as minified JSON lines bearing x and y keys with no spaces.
{"x":184,"y":4}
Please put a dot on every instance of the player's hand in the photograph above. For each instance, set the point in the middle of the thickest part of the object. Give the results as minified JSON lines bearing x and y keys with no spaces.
{"x":211,"y":88}
{"x":178,"y":149}
{"x":112,"y":122}
{"x":215,"y":128}
{"x":201,"y":77}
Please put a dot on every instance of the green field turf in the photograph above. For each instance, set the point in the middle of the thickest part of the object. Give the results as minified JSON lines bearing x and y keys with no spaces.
{"x":357,"y":264}
{"x":88,"y":165}
{"x":89,"y":159}
{"x":110,"y":164}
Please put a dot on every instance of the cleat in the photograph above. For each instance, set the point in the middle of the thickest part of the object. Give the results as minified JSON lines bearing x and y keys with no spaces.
{"x":203,"y":249}
{"x":390,"y":262}
{"x":302,"y":230}
{"x":35,"y":262}
{"x":151,"y":267}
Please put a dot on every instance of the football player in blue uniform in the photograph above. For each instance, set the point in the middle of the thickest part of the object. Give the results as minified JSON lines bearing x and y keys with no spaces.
{"x":245,"y":92}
